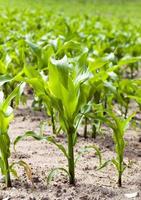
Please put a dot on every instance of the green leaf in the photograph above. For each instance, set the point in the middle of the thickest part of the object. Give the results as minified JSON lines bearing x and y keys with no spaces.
{"x":4,"y":79}
{"x":41,"y":137}
{"x":60,"y":146}
{"x":28,"y":134}
{"x":58,"y":72}
{"x":53,"y":173}
{"x":98,"y":152}
{"x":26,"y":168}
{"x":36,"y":49}
{"x":103,"y":165}
{"x":128,"y":59}
{"x":14,"y":93}
{"x":115,"y":163}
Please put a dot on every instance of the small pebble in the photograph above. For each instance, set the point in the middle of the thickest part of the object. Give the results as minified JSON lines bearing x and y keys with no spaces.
{"x":132,"y":195}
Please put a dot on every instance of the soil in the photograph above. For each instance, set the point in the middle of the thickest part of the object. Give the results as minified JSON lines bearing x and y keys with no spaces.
{"x":91,"y":184}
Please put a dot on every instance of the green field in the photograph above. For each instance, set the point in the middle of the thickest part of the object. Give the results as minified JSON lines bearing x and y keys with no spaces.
{"x":70,"y":80}
{"x":110,"y":8}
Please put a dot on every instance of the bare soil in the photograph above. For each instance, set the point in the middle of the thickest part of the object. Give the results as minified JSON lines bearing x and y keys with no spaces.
{"x":90,"y":183}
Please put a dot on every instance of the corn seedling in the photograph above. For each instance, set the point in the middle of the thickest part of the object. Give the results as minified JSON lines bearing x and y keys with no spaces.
{"x":119,"y":125}
{"x":67,"y":92}
{"x":6,"y":116}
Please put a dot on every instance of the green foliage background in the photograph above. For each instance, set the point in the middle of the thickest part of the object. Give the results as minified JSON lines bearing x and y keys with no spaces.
{"x":108,"y":8}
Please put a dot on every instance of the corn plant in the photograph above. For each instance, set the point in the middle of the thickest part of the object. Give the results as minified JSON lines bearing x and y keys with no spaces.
{"x":65,"y":90}
{"x":136,"y":94}
{"x":119,"y":125}
{"x":68,"y":99}
{"x":6,"y":116}
{"x":102,"y":72}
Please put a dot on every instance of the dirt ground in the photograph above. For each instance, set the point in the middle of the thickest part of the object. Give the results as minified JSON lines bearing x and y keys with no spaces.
{"x":90,"y":185}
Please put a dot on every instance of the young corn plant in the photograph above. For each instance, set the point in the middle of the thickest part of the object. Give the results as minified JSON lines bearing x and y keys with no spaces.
{"x":102,"y":72}
{"x":38,"y":81}
{"x":6,"y":116}
{"x":119,"y":125}
{"x":66,"y":92}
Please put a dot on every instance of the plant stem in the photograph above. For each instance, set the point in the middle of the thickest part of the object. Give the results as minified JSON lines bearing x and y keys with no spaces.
{"x":119,"y":180}
{"x":71,"y":157}
{"x":53,"y":122}
{"x":126,"y":112}
{"x":105,"y":105}
{"x":94,"y":132}
{"x":7,"y":175}
{"x":126,"y":109}
{"x":85,"y":127}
